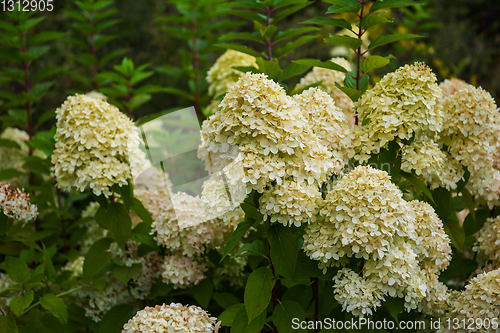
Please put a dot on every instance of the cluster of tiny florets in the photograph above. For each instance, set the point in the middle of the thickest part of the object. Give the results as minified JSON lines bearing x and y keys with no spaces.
{"x":221,"y":77}
{"x":15,"y":203}
{"x":173,"y":318}
{"x":429,"y":162}
{"x":97,"y":146}
{"x":182,"y":271}
{"x":327,"y":79}
{"x":402,"y":244}
{"x":402,"y":104}
{"x":488,"y":242}
{"x":472,"y":135}
{"x":451,"y":86}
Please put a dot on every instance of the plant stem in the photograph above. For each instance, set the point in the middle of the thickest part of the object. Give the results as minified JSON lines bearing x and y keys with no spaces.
{"x":268,"y":40}
{"x":359,"y":52}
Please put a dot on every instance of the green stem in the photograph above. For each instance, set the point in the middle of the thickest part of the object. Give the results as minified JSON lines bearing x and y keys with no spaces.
{"x":58,"y":295}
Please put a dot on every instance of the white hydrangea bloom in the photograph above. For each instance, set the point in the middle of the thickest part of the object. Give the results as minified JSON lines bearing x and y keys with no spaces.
{"x":479,"y":300}
{"x":355,"y":294}
{"x":182,"y":271}
{"x":327,"y":79}
{"x":402,"y":104}
{"x":291,"y":203}
{"x":451,"y":86}
{"x":472,"y":135}
{"x":488,"y":242}
{"x":15,"y":203}
{"x":268,"y":129}
{"x":433,"y":165}
{"x":173,"y":318}
{"x":96,"y":146}
{"x":222,"y":76}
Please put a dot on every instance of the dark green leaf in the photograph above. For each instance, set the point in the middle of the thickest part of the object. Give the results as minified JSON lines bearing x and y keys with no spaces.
{"x":382,"y":40}
{"x":350,"y":42}
{"x":353,"y":94}
{"x":337,"y":9}
{"x":19,"y":304}
{"x":49,"y":268}
{"x":284,"y":249}
{"x":455,"y":231}
{"x":419,"y":185}
{"x":395,"y":306}
{"x":472,"y":225}
{"x":40,"y":89}
{"x":383,"y":4}
{"x":237,"y":235}
{"x":300,"y":293}
{"x":8,"y":324}
{"x":372,"y":62}
{"x":226,"y":300}
{"x":97,"y":257}
{"x":125,"y":273}
{"x":271,"y":68}
{"x":202,"y":292}
{"x":240,"y":48}
{"x":10,"y":173}
{"x":323,"y":64}
{"x":284,"y":313}
{"x":290,"y":10}
{"x":56,"y":305}
{"x":140,"y":210}
{"x":227,"y":317}
{"x":240,"y":35}
{"x":241,"y":324}
{"x":45,"y":36}
{"x":292,"y":70}
{"x":244,"y":14}
{"x":293,"y":32}
{"x":350,"y":82}
{"x":290,"y":46}
{"x":282,"y":3}
{"x":16,"y":269}
{"x":115,"y":318}
{"x":9,"y":144}
{"x":269,"y":31}
{"x":258,"y":291}
{"x":118,"y":221}
{"x":329,"y":21}
{"x":373,"y":20}
{"x":246,"y":69}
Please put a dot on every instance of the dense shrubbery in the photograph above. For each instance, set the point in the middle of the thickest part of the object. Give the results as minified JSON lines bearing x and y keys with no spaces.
{"x":321,"y":194}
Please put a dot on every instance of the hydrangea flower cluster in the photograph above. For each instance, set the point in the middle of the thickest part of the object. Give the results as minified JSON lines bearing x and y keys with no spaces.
{"x":472,"y":135}
{"x":96,"y":146}
{"x":278,"y":140}
{"x":327,"y":79}
{"x":451,"y":86}
{"x":488,"y":242}
{"x":402,"y":244}
{"x":479,"y":300}
{"x":173,"y":318}
{"x":402,"y":104}
{"x":183,"y":271}
{"x":222,"y":76}
{"x":434,"y":166}
{"x":15,"y":203}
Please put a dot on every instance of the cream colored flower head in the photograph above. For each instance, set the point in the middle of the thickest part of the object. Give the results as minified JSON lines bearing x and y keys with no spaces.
{"x":222,"y":76}
{"x":173,"y":318}
{"x":488,"y":242}
{"x":402,"y":104}
{"x":96,"y":146}
{"x":451,"y":86}
{"x":327,"y":79}
{"x":363,"y":214}
{"x":182,"y":271}
{"x":268,"y":129}
{"x":434,"y":166}
{"x":15,"y":203}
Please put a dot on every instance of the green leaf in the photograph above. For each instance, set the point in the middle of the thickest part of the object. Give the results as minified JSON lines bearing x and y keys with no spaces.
{"x":45,"y":36}
{"x":118,"y":221}
{"x":240,"y":35}
{"x":293,"y":32}
{"x":292,"y":70}
{"x":419,"y":185}
{"x":472,"y":225}
{"x":237,"y":235}
{"x":290,"y":10}
{"x":240,"y":48}
{"x":350,"y":82}
{"x":395,"y":306}
{"x":97,"y":257}
{"x":373,"y":20}
{"x":271,"y":68}
{"x":56,"y":305}
{"x":290,"y":46}
{"x":140,"y":210}
{"x":337,"y":9}
{"x":469,"y":200}
{"x":16,"y":269}
{"x":323,"y":64}
{"x":115,"y":318}
{"x":40,"y":89}
{"x":10,"y":173}
{"x":353,"y":94}
{"x":31,"y":23}
{"x":226,"y":300}
{"x":383,"y":4}
{"x":382,"y":40}
{"x":8,"y":324}
{"x":19,"y":304}
{"x":258,"y":291}
{"x":341,"y":23}
{"x":350,"y":42}
{"x":241,"y":324}
{"x":455,"y":231}
{"x":269,"y":31}
{"x":284,"y":249}
{"x":246,"y":69}
{"x":284,"y":313}
{"x":372,"y":62}
{"x":282,"y":3}
{"x":227,"y":317}
{"x":9,"y":144}
{"x":125,"y":273}
{"x":202,"y":292}
{"x":244,"y":14}
{"x":49,"y":268}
